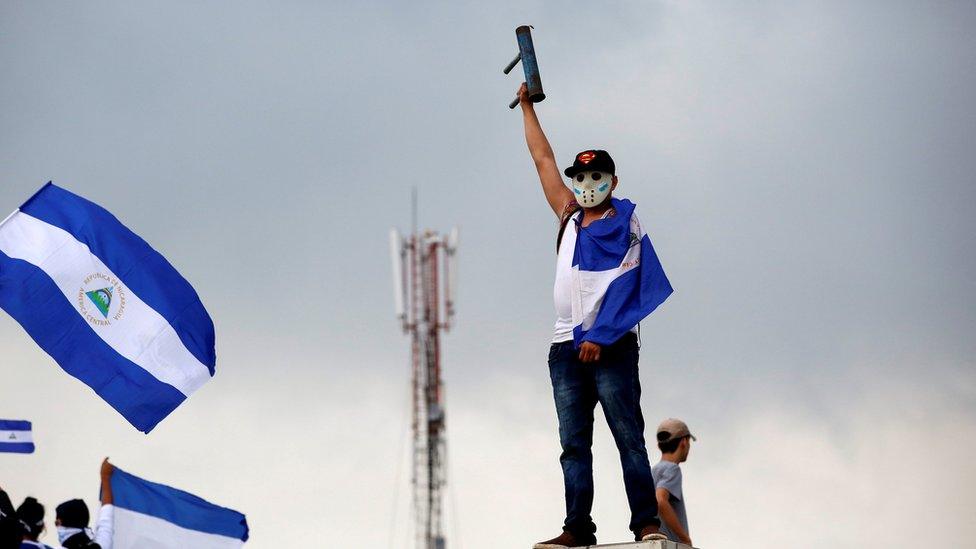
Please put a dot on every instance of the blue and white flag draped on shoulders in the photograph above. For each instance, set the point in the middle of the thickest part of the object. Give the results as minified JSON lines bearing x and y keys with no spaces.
{"x":106,"y":306}
{"x":16,"y":436}
{"x":617,"y":277}
{"x":148,"y":514}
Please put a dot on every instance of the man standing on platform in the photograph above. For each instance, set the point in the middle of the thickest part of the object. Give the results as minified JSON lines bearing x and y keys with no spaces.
{"x":608,"y":278}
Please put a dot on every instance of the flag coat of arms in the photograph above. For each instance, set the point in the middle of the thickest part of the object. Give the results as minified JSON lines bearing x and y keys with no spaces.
{"x":16,"y":436}
{"x":148,"y":514}
{"x":106,"y":306}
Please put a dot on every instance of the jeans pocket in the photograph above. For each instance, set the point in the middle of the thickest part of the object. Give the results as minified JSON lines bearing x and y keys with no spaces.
{"x":553,"y":352}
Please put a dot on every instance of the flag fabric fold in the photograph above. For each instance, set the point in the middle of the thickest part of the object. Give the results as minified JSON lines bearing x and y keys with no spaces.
{"x":111,"y":310}
{"x":617,"y":277}
{"x":16,"y":436}
{"x":148,"y":514}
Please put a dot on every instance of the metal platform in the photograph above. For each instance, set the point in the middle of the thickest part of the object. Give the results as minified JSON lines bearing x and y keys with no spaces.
{"x":654,"y":544}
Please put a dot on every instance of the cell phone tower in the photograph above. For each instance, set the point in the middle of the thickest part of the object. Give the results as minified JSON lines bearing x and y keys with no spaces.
{"x":425,"y":283}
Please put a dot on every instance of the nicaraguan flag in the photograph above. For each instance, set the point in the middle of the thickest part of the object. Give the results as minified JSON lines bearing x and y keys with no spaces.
{"x":106,"y":306}
{"x":16,"y":436}
{"x":617,"y":277}
{"x":147,"y":514}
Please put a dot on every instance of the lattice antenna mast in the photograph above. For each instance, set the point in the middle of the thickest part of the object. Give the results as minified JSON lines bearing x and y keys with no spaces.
{"x":425,"y":286}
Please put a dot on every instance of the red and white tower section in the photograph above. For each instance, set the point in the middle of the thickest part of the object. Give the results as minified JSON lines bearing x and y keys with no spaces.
{"x":425,"y":284}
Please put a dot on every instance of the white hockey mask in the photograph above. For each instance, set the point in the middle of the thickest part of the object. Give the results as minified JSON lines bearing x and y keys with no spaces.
{"x":592,"y":188}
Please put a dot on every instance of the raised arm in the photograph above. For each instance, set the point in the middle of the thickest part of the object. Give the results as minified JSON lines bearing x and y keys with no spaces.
{"x":105,"y":526}
{"x":556,"y":191}
{"x":106,"y":474}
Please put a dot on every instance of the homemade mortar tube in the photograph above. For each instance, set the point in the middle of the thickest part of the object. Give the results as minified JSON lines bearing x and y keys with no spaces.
{"x":508,"y":68}
{"x":529,"y":64}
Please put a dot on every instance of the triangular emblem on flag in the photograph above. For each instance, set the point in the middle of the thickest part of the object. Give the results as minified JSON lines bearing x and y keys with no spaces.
{"x":102,"y":299}
{"x":13,"y":436}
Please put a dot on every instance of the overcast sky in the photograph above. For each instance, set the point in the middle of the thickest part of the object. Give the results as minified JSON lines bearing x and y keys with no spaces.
{"x":805,"y":169}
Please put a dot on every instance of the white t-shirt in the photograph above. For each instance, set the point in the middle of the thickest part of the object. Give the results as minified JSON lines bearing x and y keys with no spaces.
{"x":562,"y":291}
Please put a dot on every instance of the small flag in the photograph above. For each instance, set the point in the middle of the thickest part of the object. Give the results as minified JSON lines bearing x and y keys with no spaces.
{"x":106,"y":306}
{"x":16,"y":436}
{"x":153,"y":515}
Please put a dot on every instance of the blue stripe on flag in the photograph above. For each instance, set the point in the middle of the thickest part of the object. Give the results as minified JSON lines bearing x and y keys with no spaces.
{"x":14,"y":424}
{"x":30,"y":296}
{"x":604,"y":243}
{"x":629,"y":298}
{"x":141,"y":268}
{"x":176,"y":506}
{"x":17,"y":447}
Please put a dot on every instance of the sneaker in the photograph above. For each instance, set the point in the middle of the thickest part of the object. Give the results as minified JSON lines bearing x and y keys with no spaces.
{"x":564,"y":540}
{"x":651,"y":533}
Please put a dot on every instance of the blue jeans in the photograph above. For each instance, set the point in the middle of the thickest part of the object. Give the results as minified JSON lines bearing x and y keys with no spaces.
{"x":577,"y":387}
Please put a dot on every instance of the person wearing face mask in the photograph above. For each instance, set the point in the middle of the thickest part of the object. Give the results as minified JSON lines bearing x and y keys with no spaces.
{"x":71,"y":518}
{"x":25,"y":524}
{"x":608,"y":278}
{"x":31,"y":514}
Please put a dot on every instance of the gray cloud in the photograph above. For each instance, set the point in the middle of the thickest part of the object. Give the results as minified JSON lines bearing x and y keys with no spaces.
{"x":803,"y":169}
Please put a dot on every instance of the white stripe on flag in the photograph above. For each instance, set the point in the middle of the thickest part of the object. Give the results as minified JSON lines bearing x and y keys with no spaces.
{"x":142,"y":335}
{"x":593,"y":286}
{"x":16,"y":436}
{"x":138,"y":531}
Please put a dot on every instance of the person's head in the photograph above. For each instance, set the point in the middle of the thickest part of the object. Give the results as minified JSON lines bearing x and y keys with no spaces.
{"x":31,"y":513}
{"x":71,"y":517}
{"x":72,"y":514}
{"x":674,"y":440}
{"x":593,"y":176}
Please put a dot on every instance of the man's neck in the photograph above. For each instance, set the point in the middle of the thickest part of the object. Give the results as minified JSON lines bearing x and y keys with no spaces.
{"x":673,"y":458}
{"x":596,"y":212}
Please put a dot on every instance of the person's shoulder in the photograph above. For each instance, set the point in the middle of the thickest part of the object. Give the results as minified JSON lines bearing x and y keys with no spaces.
{"x":623,"y":204}
{"x":569,"y":209}
{"x":665,"y":467}
{"x":667,"y":476}
{"x":625,"y":207}
{"x":26,"y":544}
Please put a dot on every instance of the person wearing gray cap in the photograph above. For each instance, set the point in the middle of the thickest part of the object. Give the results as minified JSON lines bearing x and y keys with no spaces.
{"x":674,"y":441}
